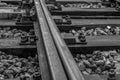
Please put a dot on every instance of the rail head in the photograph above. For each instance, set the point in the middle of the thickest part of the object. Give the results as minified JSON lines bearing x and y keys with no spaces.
{"x":55,"y":65}
{"x":67,"y":59}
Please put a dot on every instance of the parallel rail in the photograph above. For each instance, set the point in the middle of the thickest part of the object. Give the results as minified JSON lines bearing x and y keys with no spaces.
{"x":70,"y":66}
{"x":44,"y":68}
{"x":55,"y":67}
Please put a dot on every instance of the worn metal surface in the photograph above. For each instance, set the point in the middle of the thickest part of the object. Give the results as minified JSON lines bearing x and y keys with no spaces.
{"x":44,"y":67}
{"x":56,"y":68}
{"x":67,"y":59}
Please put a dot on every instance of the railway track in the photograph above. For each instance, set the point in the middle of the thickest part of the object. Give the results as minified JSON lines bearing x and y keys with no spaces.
{"x":56,"y":68}
{"x":83,"y":26}
{"x":71,"y":69}
{"x":61,"y":40}
{"x":27,"y":37}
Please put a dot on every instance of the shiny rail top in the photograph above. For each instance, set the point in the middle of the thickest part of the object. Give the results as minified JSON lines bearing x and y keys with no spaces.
{"x":56,"y":69}
{"x":66,"y":57}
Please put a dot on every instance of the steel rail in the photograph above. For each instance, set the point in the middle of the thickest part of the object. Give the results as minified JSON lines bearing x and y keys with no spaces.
{"x":71,"y":68}
{"x":55,"y":65}
{"x":44,"y":68}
